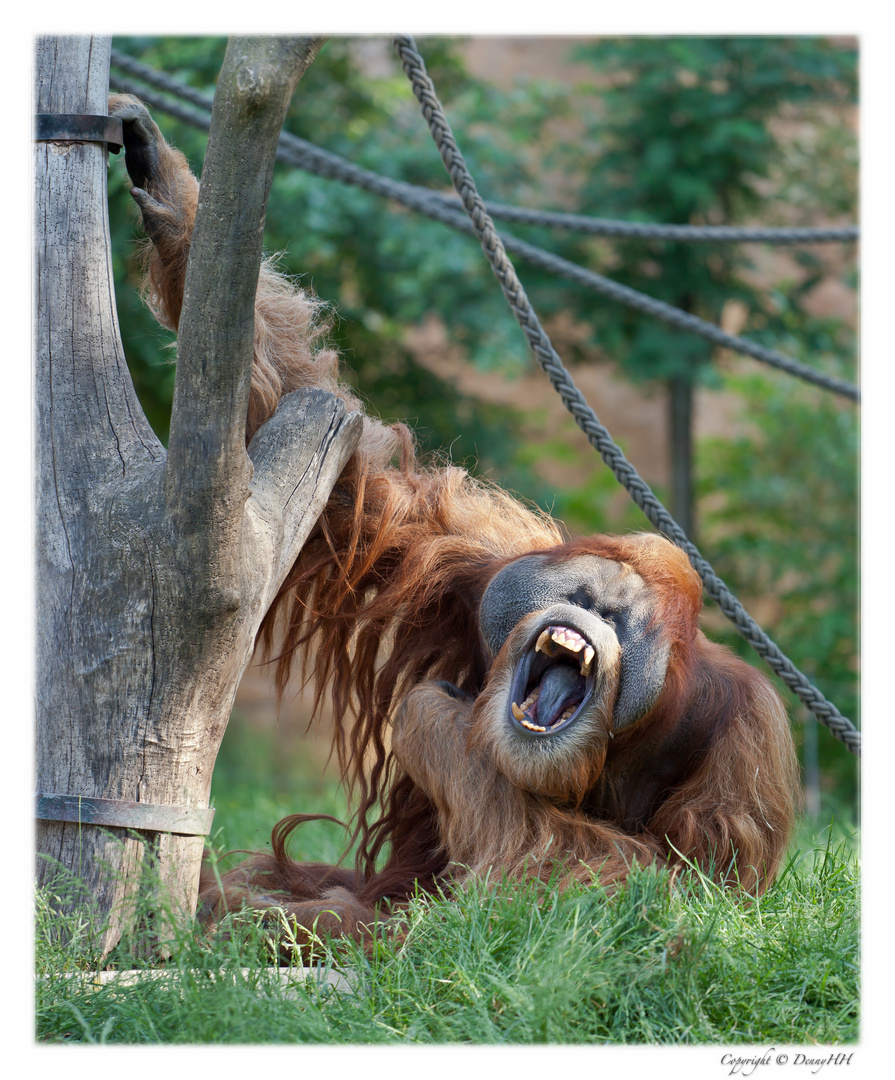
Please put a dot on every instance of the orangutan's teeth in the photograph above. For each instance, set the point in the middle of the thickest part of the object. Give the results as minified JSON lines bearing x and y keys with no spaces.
{"x":544,"y":644}
{"x":532,"y":727}
{"x":569,"y":639}
{"x":531,"y":699}
{"x":519,"y":711}
{"x":588,"y":660}
{"x":566,"y":713}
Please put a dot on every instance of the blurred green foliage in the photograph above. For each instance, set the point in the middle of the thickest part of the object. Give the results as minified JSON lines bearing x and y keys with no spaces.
{"x":681,"y":131}
{"x":689,"y":130}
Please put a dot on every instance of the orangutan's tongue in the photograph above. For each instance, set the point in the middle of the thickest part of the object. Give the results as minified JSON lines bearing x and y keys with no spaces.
{"x":561,"y":686}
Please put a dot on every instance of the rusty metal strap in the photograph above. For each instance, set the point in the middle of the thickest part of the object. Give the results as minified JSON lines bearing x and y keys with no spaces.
{"x":79,"y":127}
{"x":121,"y":814}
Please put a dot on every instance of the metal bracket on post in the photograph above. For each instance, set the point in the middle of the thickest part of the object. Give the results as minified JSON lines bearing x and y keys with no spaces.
{"x":79,"y":127}
{"x":122,"y":814}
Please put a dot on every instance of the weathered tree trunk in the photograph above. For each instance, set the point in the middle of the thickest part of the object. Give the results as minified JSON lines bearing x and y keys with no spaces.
{"x":155,"y":569}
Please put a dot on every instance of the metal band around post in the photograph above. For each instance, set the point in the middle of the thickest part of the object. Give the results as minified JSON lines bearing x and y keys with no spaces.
{"x":121,"y":814}
{"x":79,"y":127}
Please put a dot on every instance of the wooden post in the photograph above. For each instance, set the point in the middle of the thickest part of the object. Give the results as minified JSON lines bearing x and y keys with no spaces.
{"x":154,"y":569}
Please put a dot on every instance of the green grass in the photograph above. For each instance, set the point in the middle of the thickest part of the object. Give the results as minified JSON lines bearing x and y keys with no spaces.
{"x":501,"y":964}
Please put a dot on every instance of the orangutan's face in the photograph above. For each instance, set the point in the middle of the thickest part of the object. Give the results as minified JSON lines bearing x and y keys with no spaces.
{"x":580,"y":639}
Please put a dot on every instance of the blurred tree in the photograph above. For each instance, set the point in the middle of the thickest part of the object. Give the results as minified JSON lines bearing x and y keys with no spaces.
{"x":678,"y":130}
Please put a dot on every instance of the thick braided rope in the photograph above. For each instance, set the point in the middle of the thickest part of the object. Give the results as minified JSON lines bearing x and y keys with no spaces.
{"x":585,"y":417}
{"x":299,"y":153}
{"x":692,"y":234}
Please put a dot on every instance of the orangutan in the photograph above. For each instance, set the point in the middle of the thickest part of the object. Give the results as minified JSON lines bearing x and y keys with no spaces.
{"x":506,"y":699}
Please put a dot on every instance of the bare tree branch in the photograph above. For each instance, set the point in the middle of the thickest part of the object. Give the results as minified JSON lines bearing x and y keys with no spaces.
{"x":215,"y":340}
{"x":283,"y":502}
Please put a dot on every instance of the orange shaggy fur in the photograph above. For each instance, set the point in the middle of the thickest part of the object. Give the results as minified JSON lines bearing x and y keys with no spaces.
{"x":383,"y":606}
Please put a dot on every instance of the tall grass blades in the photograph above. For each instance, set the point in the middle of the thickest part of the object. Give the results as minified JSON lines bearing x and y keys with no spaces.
{"x":503,"y":963}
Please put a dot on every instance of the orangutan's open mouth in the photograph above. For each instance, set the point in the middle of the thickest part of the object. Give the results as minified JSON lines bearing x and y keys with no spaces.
{"x":552,"y":681}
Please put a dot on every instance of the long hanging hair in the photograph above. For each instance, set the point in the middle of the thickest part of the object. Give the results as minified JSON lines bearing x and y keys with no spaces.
{"x":384,"y":595}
